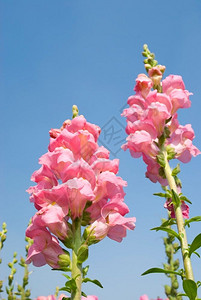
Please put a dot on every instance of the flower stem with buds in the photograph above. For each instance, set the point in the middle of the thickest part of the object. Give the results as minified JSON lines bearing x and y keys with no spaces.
{"x":180,"y":222}
{"x":76,"y":267}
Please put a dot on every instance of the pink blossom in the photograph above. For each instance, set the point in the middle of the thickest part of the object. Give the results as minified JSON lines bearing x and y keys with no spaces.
{"x":89,"y":298}
{"x":44,"y":250}
{"x":112,"y":222}
{"x":172,"y":82}
{"x":145,"y":297}
{"x":184,"y":207}
{"x":181,"y":142}
{"x":51,"y":297}
{"x":143,"y":85}
{"x":53,"y":217}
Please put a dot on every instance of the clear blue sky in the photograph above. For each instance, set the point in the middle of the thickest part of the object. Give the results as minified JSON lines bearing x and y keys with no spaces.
{"x":87,"y":52}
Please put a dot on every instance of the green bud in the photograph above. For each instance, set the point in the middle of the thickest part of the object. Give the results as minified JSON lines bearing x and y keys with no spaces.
{"x":27,"y":293}
{"x":64,"y":260}
{"x":4,"y":226}
{"x":176,"y":264}
{"x":82,"y":254}
{"x":75,"y":111}
{"x":175,"y":284}
{"x":167,"y":290}
{"x":175,"y":245}
{"x":10,"y":265}
{"x":19,"y":288}
{"x":14,"y":254}
{"x":3,"y":238}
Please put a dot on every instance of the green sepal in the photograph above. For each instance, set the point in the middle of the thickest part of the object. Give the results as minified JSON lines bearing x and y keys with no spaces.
{"x":164,"y":195}
{"x":85,"y":271}
{"x":194,"y":219}
{"x":168,"y":223}
{"x":190,"y":288}
{"x":184,"y":198}
{"x":82,"y":254}
{"x":161,"y":159}
{"x":170,"y":231}
{"x":159,"y":270}
{"x":95,"y":281}
{"x":170,"y":152}
{"x":176,"y":170}
{"x":175,"y":198}
{"x":83,"y":294}
{"x":70,"y":286}
{"x":195,"y":244}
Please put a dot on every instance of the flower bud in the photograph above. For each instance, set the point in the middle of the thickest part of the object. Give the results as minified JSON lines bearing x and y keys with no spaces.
{"x":167,"y":289}
{"x":175,"y":284}
{"x":64,"y":260}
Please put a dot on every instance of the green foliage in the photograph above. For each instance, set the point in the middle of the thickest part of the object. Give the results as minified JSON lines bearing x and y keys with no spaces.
{"x":95,"y":281}
{"x":190,"y":288}
{"x":82,"y":254}
{"x":194,"y":219}
{"x":196,"y":244}
{"x":170,"y":231}
{"x":159,"y":270}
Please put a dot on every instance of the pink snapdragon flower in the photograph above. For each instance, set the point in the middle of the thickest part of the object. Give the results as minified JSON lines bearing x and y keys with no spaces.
{"x":76,"y":180}
{"x":44,"y":250}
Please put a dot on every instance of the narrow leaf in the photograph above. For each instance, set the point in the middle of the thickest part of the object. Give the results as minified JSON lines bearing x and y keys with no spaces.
{"x":190,"y":288}
{"x":194,"y":219}
{"x":195,"y":244}
{"x":176,"y":170}
{"x":175,"y":198}
{"x":184,"y":198}
{"x":82,"y":254}
{"x":95,"y":281}
{"x":170,"y":231}
{"x":159,"y":270}
{"x":165,"y":195}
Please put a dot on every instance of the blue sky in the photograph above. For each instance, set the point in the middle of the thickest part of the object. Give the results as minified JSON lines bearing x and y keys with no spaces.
{"x":58,"y":53}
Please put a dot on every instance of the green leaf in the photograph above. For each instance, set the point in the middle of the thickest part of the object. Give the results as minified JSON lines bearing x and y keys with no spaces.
{"x":184,"y":198}
{"x":164,"y":195}
{"x":168,"y":230}
{"x":85,"y":271}
{"x":159,"y":270}
{"x":190,"y":288}
{"x":195,"y":244}
{"x":72,"y":285}
{"x":160,"y":194}
{"x":168,"y":223}
{"x":194,"y":219}
{"x":82,"y":254}
{"x":175,"y":198}
{"x":83,"y":294}
{"x":161,"y":159}
{"x":176,"y":170}
{"x":95,"y":281}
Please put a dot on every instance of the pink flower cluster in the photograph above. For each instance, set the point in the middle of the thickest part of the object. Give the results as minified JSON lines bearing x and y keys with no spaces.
{"x":76,"y":180}
{"x":149,"y":113}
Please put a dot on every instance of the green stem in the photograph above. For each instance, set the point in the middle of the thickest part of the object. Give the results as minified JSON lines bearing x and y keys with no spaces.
{"x":76,"y":268}
{"x":180,"y":222}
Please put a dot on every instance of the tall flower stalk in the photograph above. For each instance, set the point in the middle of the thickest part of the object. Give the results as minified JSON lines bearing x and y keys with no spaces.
{"x":155,"y":134}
